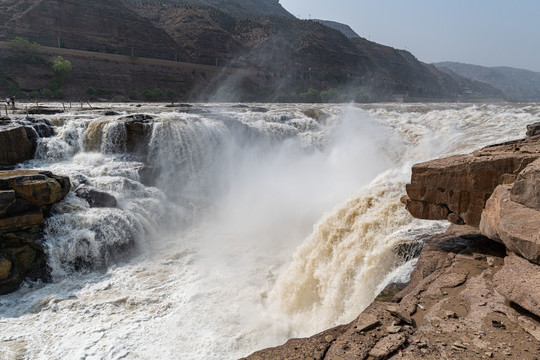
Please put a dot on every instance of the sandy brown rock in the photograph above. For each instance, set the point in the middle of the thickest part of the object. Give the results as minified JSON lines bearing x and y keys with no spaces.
{"x":387,"y":346}
{"x":526,"y":189}
{"x":533,"y":129}
{"x":457,"y":187}
{"x":519,"y":281}
{"x":513,"y":224}
{"x":40,"y":188}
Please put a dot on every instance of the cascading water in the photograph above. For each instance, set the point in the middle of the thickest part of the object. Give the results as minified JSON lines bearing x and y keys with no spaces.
{"x":221,"y":257}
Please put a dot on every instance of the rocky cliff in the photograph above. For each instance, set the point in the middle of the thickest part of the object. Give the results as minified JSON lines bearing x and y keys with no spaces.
{"x":475,"y":289}
{"x":25,"y":200}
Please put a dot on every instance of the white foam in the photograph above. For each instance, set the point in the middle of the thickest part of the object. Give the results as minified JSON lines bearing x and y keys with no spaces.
{"x":227,"y":257}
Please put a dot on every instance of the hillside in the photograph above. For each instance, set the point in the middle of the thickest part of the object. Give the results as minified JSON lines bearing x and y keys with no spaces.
{"x":515,"y":84}
{"x":344,"y":28}
{"x":289,"y":54}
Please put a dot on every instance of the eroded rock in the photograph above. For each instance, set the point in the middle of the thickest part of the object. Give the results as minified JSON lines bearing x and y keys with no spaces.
{"x":456,"y":188}
{"x":526,"y":189}
{"x":518,"y":281}
{"x":515,"y":225}
{"x":25,"y":195}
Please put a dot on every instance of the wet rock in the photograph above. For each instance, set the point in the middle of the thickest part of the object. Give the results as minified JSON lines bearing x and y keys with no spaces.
{"x":5,"y":267}
{"x":15,"y":147}
{"x":95,"y":197}
{"x":7,"y":198}
{"x":111,"y":113}
{"x":138,"y":132}
{"x":513,"y":224}
{"x":148,"y":174}
{"x":258,"y":109}
{"x":316,"y":114}
{"x":21,"y":221}
{"x":43,"y":127}
{"x":40,"y":188}
{"x":42,"y":110}
{"x":25,"y":195}
{"x":18,"y":139}
{"x":387,"y":346}
{"x":533,"y":129}
{"x":518,"y":282}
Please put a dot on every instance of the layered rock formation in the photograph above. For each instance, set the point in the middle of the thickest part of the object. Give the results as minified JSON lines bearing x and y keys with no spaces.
{"x":18,"y":139}
{"x":25,"y":199}
{"x":456,"y":188}
{"x":475,"y":288}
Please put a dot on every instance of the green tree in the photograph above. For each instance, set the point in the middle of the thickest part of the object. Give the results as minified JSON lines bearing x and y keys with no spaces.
{"x":312,"y":95}
{"x":62,"y":67}
{"x":329,"y":95}
{"x":23,"y":47}
{"x":171,"y":94}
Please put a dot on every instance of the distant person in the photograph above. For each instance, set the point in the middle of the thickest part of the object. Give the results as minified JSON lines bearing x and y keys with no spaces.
{"x":8,"y":101}
{"x":12,"y":98}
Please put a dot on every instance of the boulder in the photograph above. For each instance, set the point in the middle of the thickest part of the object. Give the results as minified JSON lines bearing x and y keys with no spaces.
{"x":526,"y":189}
{"x":533,"y":129}
{"x":43,"y":110}
{"x":316,"y":114}
{"x":456,"y":188}
{"x":18,"y":139}
{"x":518,"y":282}
{"x":95,"y":197}
{"x":515,"y":225}
{"x":40,"y":188}
{"x":25,"y":195}
{"x":15,"y":147}
{"x":138,"y":132}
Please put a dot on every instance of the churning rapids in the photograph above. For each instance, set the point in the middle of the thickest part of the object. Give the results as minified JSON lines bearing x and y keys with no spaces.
{"x":261,"y":225}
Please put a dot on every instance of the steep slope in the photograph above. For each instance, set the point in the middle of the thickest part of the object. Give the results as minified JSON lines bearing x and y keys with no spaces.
{"x":96,"y":25}
{"x":516,"y":84}
{"x":237,"y":8}
{"x":344,"y":28}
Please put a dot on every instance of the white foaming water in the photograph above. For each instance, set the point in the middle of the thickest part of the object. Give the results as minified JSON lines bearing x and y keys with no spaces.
{"x":262,"y":226}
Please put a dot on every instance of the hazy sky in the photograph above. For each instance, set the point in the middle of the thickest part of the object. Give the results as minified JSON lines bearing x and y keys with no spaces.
{"x":482,"y":32}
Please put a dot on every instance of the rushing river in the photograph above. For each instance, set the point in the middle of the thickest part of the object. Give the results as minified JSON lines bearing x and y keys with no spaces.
{"x":262,"y":224}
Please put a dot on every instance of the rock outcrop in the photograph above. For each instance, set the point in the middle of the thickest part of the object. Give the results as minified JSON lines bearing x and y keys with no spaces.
{"x":513,"y":224}
{"x":456,"y":188}
{"x":25,"y":199}
{"x":18,"y":139}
